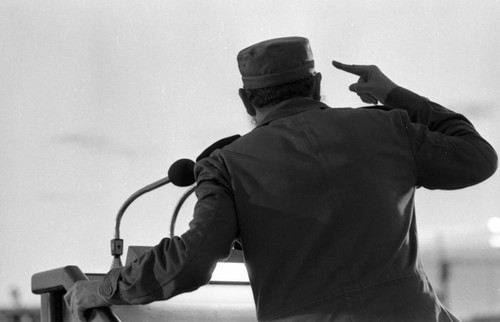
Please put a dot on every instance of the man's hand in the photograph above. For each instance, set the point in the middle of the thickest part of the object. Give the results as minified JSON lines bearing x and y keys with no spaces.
{"x":84,"y":295}
{"x":372,"y":85}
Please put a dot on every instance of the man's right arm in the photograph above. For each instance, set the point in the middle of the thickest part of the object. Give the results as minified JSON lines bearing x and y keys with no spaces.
{"x":449,"y":153}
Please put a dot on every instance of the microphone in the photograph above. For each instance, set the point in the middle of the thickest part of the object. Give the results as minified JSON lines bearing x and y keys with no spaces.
{"x":180,"y":174}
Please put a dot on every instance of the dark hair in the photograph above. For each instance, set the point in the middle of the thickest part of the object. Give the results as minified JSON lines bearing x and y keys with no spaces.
{"x":260,"y":97}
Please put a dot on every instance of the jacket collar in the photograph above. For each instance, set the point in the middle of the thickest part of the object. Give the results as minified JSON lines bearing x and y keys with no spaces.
{"x":292,"y":106}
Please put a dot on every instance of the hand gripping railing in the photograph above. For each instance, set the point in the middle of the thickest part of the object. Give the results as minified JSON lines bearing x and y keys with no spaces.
{"x":53,"y":284}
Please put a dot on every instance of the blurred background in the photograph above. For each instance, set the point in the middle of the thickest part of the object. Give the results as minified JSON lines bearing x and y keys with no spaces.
{"x":98,"y":98}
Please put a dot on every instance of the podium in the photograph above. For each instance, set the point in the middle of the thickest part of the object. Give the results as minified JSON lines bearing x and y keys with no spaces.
{"x":217,"y":301}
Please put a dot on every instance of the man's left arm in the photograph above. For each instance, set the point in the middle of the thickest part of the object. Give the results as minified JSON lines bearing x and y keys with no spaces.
{"x":176,"y":265}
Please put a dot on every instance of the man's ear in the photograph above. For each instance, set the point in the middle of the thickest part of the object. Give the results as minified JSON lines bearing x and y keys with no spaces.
{"x":248,"y":105}
{"x":317,"y":87}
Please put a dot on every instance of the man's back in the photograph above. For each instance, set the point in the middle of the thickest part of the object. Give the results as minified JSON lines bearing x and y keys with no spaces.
{"x":324,"y":204}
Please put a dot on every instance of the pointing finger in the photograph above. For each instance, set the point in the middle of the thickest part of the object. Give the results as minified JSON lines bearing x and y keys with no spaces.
{"x":360,"y":70}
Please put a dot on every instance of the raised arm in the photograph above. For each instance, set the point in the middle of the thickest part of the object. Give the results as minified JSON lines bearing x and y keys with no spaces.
{"x":449,"y":152}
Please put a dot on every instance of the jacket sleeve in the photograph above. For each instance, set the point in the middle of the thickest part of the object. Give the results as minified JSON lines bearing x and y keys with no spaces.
{"x":449,"y":152}
{"x":181,"y":264}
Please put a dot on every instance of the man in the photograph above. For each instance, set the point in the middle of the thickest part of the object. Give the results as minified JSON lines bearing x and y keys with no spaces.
{"x":322,"y":199}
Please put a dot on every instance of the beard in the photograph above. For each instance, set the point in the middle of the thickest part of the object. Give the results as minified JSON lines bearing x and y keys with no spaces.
{"x":252,"y":120}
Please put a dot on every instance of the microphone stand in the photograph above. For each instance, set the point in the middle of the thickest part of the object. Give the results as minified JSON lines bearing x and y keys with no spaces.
{"x":178,"y":207}
{"x":117,"y":242}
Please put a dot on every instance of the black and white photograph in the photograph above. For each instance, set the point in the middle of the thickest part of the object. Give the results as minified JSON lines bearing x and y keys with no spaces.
{"x":188,"y":160}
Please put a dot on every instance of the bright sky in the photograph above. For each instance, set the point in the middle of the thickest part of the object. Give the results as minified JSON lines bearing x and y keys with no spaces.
{"x":98,"y":98}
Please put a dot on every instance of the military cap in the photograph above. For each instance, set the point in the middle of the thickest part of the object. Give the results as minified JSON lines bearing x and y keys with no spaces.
{"x":275,"y":62}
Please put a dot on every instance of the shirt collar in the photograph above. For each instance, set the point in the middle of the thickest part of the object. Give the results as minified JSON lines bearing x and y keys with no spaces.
{"x":292,"y":106}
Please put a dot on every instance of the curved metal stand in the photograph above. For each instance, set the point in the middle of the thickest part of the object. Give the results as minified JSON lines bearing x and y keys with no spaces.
{"x":117,"y":243}
{"x":178,"y":208}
